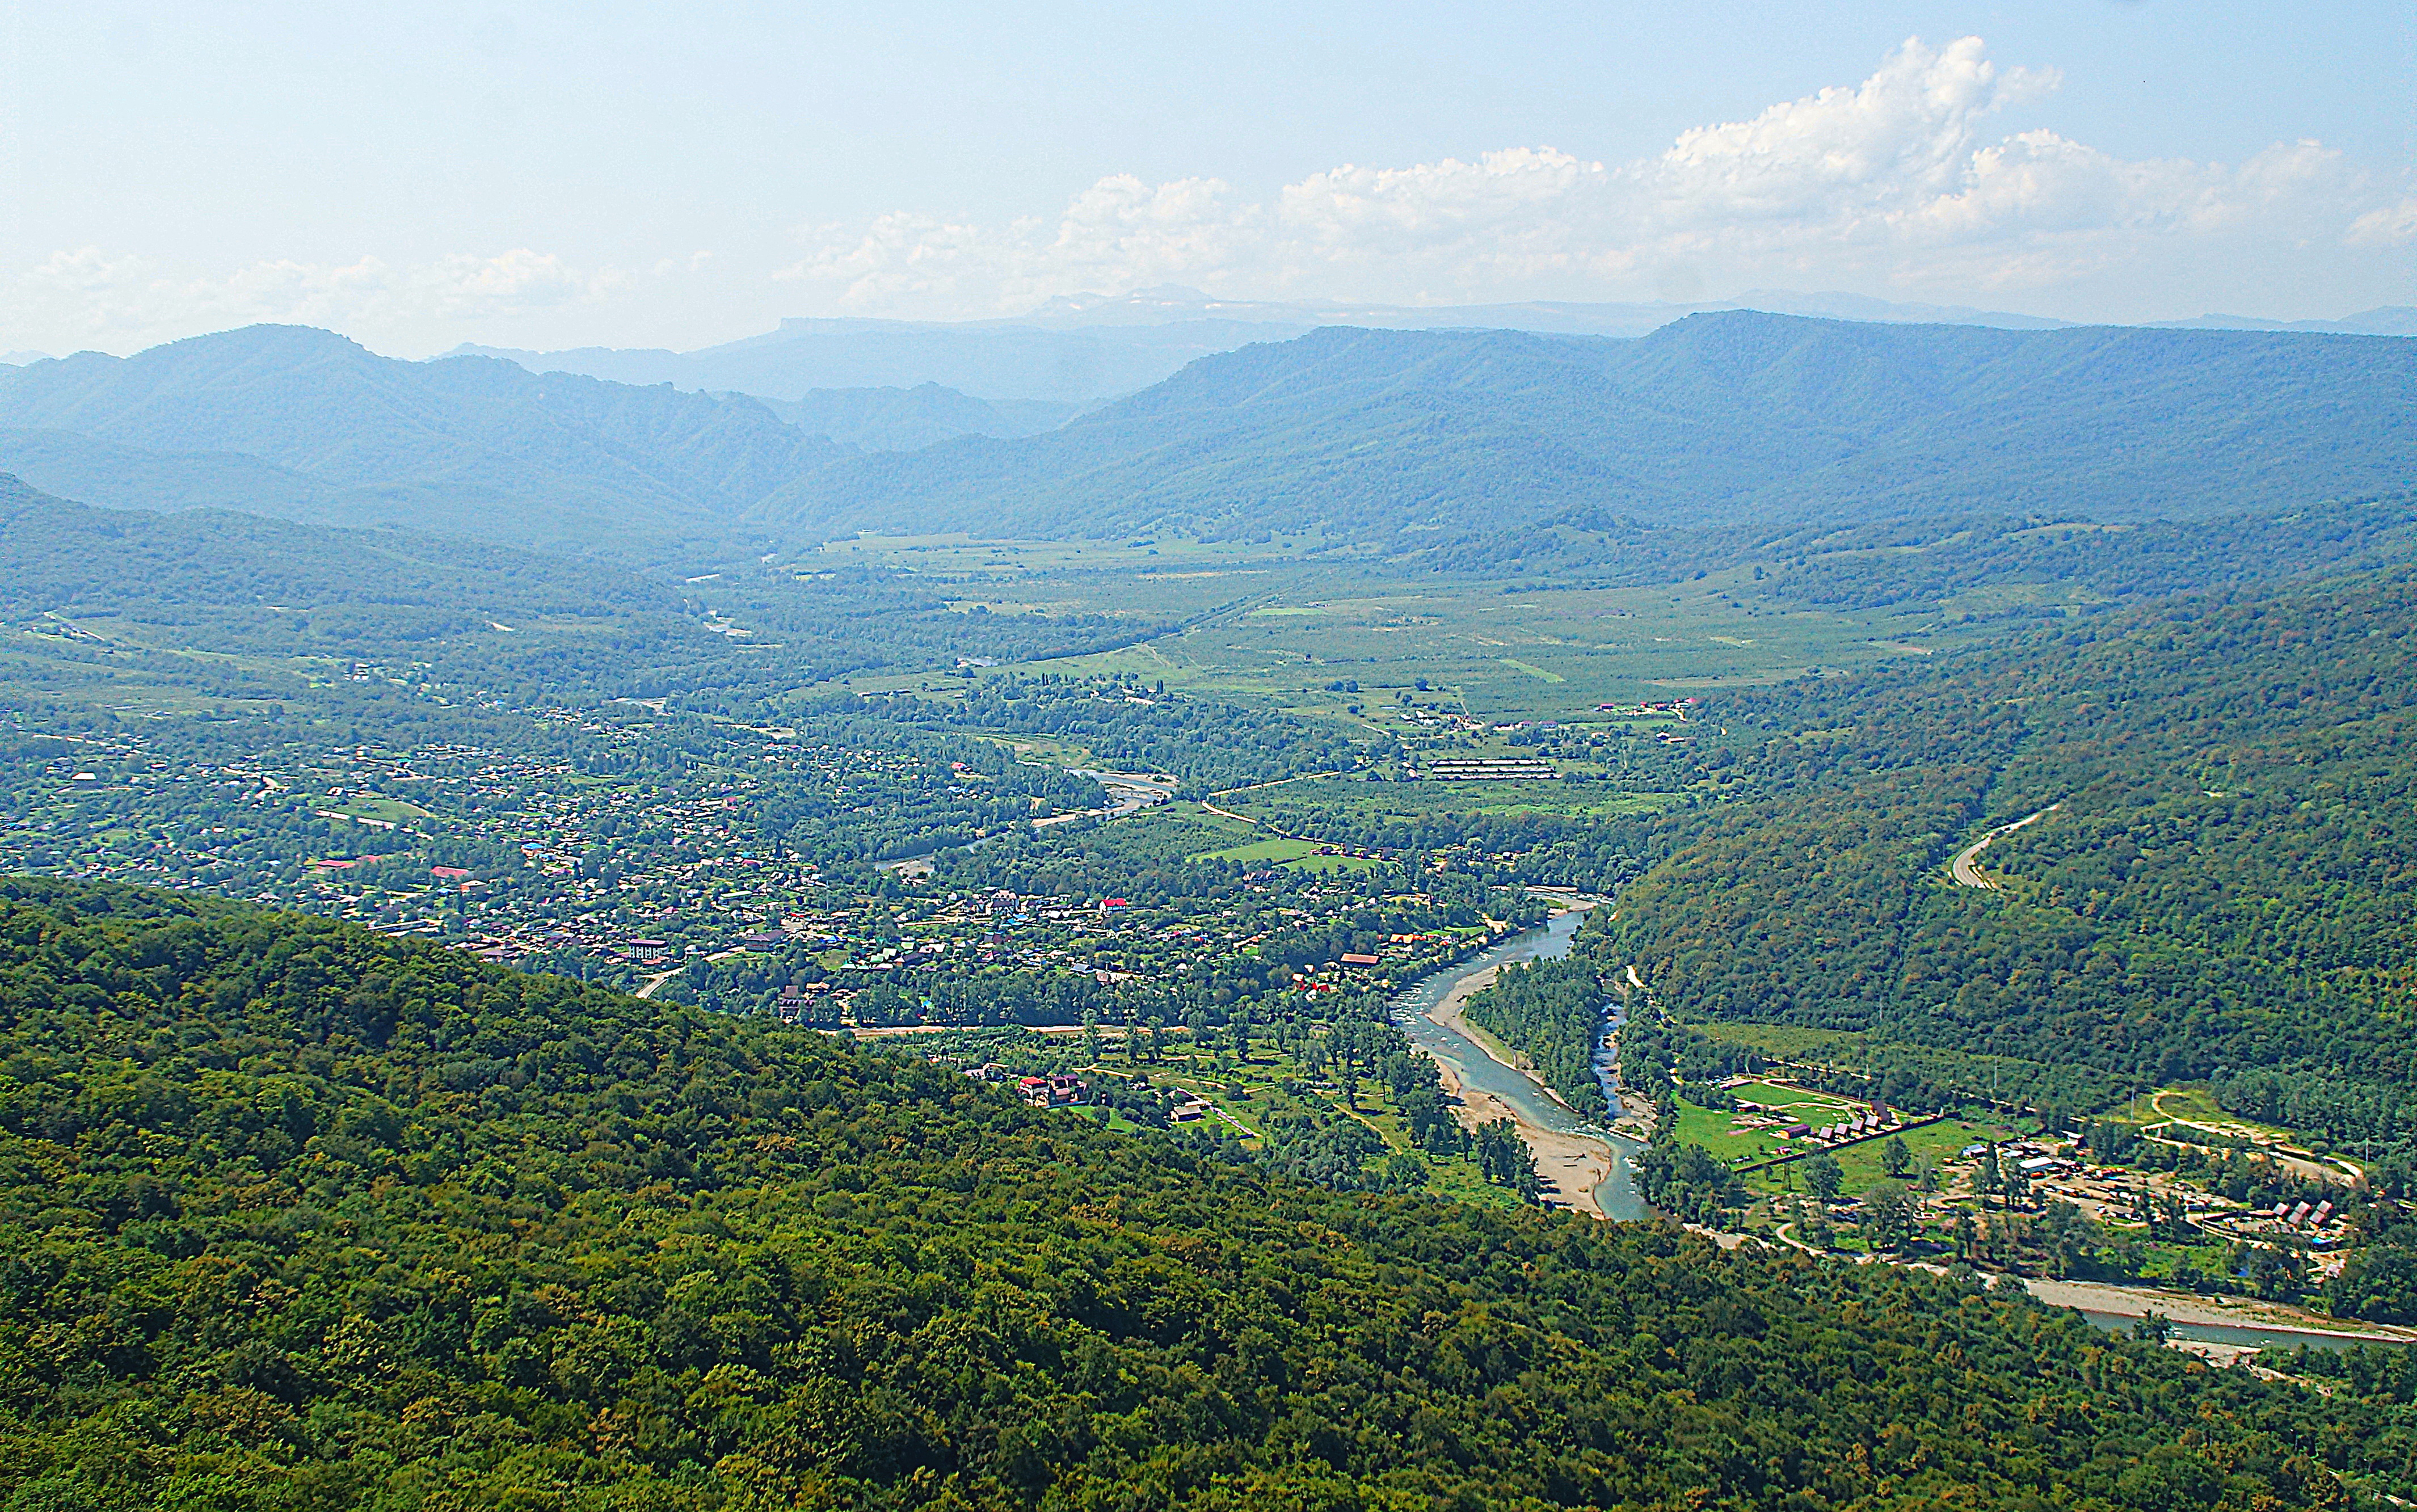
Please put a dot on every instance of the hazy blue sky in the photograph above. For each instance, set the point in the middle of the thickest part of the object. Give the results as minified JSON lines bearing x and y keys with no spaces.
{"x":660,"y":175}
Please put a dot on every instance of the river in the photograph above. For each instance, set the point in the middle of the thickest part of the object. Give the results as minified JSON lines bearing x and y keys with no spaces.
{"x":1469,"y":1062}
{"x":1618,"y":1197}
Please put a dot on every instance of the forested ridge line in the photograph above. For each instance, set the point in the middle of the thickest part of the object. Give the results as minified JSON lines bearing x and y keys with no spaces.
{"x":296,"y":1215}
{"x":2228,"y":891}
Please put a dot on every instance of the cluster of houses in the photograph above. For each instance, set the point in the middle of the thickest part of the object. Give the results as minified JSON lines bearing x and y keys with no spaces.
{"x":1676,"y":708}
{"x":1040,"y":1091}
{"x":1875,"y":1119}
{"x":2303,"y":1215}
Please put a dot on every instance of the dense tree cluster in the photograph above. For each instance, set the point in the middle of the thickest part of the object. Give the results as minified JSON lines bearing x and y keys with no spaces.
{"x":1139,"y":727}
{"x":1550,"y":1011}
{"x":2218,"y":889}
{"x":293,"y":1215}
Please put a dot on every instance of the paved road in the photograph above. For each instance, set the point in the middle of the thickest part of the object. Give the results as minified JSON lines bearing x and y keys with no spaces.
{"x":1965,"y":868}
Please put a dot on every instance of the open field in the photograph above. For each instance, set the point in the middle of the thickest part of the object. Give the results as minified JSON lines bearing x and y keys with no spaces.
{"x":2194,"y":1108}
{"x":1799,"y":1101}
{"x":1275,"y":850}
{"x":1556,"y":653}
{"x":1934,"y":1142}
{"x":1280,"y":623}
{"x":1711,"y":1129}
{"x":1363,"y":802}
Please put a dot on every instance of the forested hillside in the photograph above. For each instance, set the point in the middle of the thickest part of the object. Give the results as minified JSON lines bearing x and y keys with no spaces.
{"x":1730,"y":418}
{"x":2216,"y":885}
{"x":904,"y":419}
{"x":1967,"y":567}
{"x":297,"y":1216}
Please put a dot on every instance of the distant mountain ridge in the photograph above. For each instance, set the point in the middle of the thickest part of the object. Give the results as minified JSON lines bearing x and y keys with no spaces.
{"x":1081,"y":348}
{"x":1391,"y":440}
{"x":995,"y":362}
{"x":1381,"y":435}
{"x":907,"y":419}
{"x":319,"y":428}
{"x":2385,"y":320}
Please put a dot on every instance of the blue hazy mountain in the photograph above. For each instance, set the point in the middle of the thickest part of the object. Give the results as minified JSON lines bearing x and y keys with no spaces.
{"x":1724,"y":416}
{"x":989,"y":360}
{"x":1401,"y":438}
{"x":907,"y":419}
{"x":293,"y":421}
{"x":1079,"y":349}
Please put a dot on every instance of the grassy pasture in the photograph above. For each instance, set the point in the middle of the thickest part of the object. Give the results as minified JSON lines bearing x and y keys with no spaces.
{"x":1269,"y":850}
{"x":1365,"y":802}
{"x":1276,"y":624}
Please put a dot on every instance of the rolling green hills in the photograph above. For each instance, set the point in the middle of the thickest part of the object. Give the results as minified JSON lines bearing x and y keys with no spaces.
{"x":296,"y":1217}
{"x":111,"y":604}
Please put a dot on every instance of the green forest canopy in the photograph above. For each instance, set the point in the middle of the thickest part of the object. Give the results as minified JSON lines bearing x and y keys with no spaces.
{"x":2221,"y":893}
{"x":295,"y":1215}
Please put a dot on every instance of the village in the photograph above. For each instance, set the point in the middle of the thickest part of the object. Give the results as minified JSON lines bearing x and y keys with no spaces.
{"x":2166,"y":1199}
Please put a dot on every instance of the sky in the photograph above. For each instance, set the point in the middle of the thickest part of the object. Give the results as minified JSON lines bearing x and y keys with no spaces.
{"x":556,"y":175}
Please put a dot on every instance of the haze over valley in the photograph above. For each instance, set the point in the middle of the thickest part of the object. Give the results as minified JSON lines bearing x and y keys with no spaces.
{"x":1305,"y":760}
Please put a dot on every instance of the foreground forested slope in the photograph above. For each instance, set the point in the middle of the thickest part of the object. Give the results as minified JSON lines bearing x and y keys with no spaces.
{"x":2225,"y":889}
{"x":293,"y":1215}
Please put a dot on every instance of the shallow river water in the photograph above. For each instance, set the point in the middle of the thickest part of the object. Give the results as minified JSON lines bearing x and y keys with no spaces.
{"x":1617,"y":1196}
{"x":1468,"y":1061}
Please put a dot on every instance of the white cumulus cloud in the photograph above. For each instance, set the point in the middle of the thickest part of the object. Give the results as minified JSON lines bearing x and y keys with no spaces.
{"x":1913,"y":183}
{"x":1904,"y":182}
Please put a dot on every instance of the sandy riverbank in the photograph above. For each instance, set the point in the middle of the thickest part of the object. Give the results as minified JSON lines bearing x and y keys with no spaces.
{"x":1573,"y":1162}
{"x":2187,"y":1308}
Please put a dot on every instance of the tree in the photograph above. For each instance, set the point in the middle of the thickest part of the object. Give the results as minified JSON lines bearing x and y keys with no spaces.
{"x":1505,"y":1161}
{"x":1888,"y":1218}
{"x":2069,"y":1238}
{"x":2380,"y":1284}
{"x":1823,"y":1177}
{"x":1894,"y":1157}
{"x":2014,"y":1187}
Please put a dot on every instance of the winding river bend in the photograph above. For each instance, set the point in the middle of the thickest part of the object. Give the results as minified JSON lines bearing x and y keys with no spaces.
{"x":2114,"y":1308}
{"x":1474,"y":1068}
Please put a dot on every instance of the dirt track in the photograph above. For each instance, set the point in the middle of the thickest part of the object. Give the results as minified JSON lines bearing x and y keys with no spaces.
{"x":1965,"y":868}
